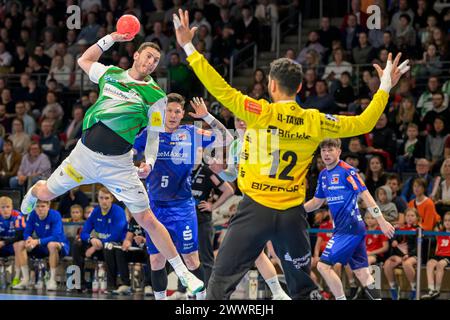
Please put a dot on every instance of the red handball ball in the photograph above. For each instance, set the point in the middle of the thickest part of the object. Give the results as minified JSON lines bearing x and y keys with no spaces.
{"x":128,"y":24}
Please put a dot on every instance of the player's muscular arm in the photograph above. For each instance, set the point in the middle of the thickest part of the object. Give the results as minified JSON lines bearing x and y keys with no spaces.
{"x":313,"y":204}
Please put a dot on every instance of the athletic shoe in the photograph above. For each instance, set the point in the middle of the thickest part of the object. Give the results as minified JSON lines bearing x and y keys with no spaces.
{"x":281,"y":296}
{"x":125,"y":290}
{"x":353,"y":293}
{"x":432,"y":294}
{"x":28,"y":203}
{"x":148,"y":291}
{"x":51,"y":285}
{"x":315,"y":295}
{"x":22,"y":285}
{"x":395,"y":293}
{"x":15,"y":282}
{"x":177,"y":295}
{"x":191,"y":282}
{"x":325,"y":295}
{"x":412,"y":295}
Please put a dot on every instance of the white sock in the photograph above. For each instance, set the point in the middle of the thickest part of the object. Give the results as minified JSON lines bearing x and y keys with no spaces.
{"x":341,"y":298}
{"x":393,"y":285}
{"x":201,"y":295}
{"x":274,"y":285}
{"x":25,"y":273}
{"x":431,"y":287}
{"x":178,"y":265}
{"x":413,"y":285}
{"x":53,"y":274}
{"x":160,"y":295}
{"x":438,"y":288}
{"x":17,"y":272}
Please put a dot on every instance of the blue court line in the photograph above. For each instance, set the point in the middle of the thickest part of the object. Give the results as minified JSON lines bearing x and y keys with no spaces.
{"x":7,"y":296}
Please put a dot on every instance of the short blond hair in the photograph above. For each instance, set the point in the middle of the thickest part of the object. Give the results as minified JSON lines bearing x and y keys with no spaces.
{"x":6,"y":200}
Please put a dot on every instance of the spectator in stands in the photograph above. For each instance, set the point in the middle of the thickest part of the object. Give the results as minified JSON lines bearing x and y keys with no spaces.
{"x":49,"y":44}
{"x":349,"y":35}
{"x":168,"y":15}
{"x":377,"y":244}
{"x":360,"y":16}
{"x":364,"y":53}
{"x":158,"y":34}
{"x":203,"y":34}
{"x":69,"y":60}
{"x":383,"y":196}
{"x":388,"y":43}
{"x":8,"y":101}
{"x":327,"y":33}
{"x":259,"y":91}
{"x":441,"y":194}
{"x":20,"y":59}
{"x":44,"y":59}
{"x":76,"y":214}
{"x":53,"y":111}
{"x":434,"y":143}
{"x":180,"y":76}
{"x":439,"y":38}
{"x":87,"y":212}
{"x":344,"y":94}
{"x":322,"y":101}
{"x":223,"y":47}
{"x":440,"y":109}
{"x":353,"y":159}
{"x":382,"y":141}
{"x":308,"y":86}
{"x":201,"y":48}
{"x":412,"y":148}
{"x":355,"y":146}
{"x":73,"y":197}
{"x":431,"y":64}
{"x":375,"y":175}
{"x":394,"y":182}
{"x":28,"y":121}
{"x":438,"y":262}
{"x":267,"y":14}
{"x":290,"y":54}
{"x":60,"y":72}
{"x":35,"y":68}
{"x":247,"y":28}
{"x":422,"y":12}
{"x":225,"y":20}
{"x":5,"y":121}
{"x":50,"y":240}
{"x":199,"y":20}
{"x":49,"y":142}
{"x":19,"y":138}
{"x":312,"y":61}
{"x":9,"y":163}
{"x":259,"y":76}
{"x":334,"y":69}
{"x":110,"y":225}
{"x":405,"y":35}
{"x":404,"y":251}
{"x":35,"y":166}
{"x":422,"y":171}
{"x":426,"y":34}
{"x":6,"y":59}
{"x":406,"y":115}
{"x":376,"y":35}
{"x":403,"y":8}
{"x":425,"y":102}
{"x":89,"y":32}
{"x":313,"y":44}
{"x":424,"y":205}
{"x":74,"y":129}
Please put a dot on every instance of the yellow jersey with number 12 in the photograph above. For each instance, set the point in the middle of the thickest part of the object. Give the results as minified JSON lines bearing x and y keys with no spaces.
{"x":281,"y":138}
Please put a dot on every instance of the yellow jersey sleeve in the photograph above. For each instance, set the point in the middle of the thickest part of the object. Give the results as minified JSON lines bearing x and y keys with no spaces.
{"x":335,"y":126}
{"x":256,"y":113}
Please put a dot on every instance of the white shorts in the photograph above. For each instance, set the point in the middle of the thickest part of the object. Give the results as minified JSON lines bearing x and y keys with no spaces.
{"x":117,"y":173}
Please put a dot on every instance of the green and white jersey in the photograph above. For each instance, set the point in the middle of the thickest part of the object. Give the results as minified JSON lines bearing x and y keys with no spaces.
{"x":125,"y":105}
{"x":234,"y":152}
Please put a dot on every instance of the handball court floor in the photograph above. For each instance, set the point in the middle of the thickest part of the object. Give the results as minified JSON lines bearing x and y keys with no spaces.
{"x":8,"y":294}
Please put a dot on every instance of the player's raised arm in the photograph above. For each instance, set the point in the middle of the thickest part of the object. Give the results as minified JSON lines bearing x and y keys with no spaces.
{"x":92,"y":54}
{"x":334,"y":126}
{"x":250,"y":110}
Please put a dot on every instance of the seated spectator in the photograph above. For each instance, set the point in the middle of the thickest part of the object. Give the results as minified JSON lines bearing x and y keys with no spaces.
{"x":6,"y":59}
{"x":388,"y":43}
{"x":73,"y":197}
{"x":411,"y":149}
{"x":68,"y":59}
{"x":353,"y":159}
{"x":394,"y":182}
{"x":403,"y":8}
{"x":431,"y":64}
{"x":53,"y":111}
{"x":355,"y":146}
{"x":323,"y":101}
{"x":7,"y":100}
{"x":360,"y":16}
{"x":158,"y":34}
{"x":376,"y":35}
{"x":5,"y":120}
{"x":327,"y":33}
{"x":110,"y":225}
{"x":247,"y":28}
{"x":21,"y":141}
{"x":440,"y":109}
{"x":441,"y":194}
{"x":349,"y":34}
{"x":49,"y":240}
{"x":199,"y":20}
{"x":425,"y":102}
{"x":20,"y":59}
{"x":439,"y":38}
{"x":438,"y":262}
{"x":180,"y":75}
{"x":201,"y":48}
{"x":344,"y":94}
{"x":76,"y":214}
{"x":267,"y":14}
{"x":364,"y":52}
{"x":334,"y":70}
{"x":259,"y":92}
{"x":404,"y":251}
{"x":422,"y":171}
{"x":383,"y":196}
{"x":35,"y":166}
{"x":313,"y":44}
{"x":28,"y":121}
{"x":11,"y":233}
{"x":312,"y":61}
{"x":223,"y":47}
{"x":382,"y":141}
{"x":259,"y":76}
{"x":89,"y":32}
{"x":381,"y":59}
{"x":60,"y":72}
{"x":424,"y":205}
{"x":290,"y":54}
{"x":36,"y":68}
{"x":434,"y":143}
{"x":407,"y":114}
{"x":308,"y":87}
{"x":405,"y":35}
{"x":9,"y":163}
{"x":375,"y":175}
{"x":203,"y":34}
{"x":376,"y":244}
{"x":74,"y":129}
{"x":49,"y":142}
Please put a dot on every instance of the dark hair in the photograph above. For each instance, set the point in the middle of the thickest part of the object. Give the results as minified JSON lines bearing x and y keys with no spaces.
{"x":146,"y":45}
{"x":288,"y":74}
{"x":335,"y":143}
{"x":388,"y":32}
{"x":395,"y":176}
{"x":407,"y":17}
{"x":440,"y":94}
{"x":177,"y":98}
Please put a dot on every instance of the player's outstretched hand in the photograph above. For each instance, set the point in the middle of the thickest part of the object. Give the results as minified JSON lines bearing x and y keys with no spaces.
{"x":387,"y":228}
{"x":121,"y":37}
{"x":393,"y":71}
{"x":144,"y":170}
{"x":181,"y":23}
{"x":200,"y":108}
